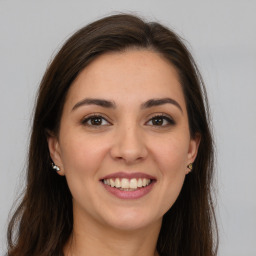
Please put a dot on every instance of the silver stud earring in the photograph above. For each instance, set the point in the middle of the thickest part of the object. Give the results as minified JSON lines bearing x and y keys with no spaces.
{"x":55,"y":167}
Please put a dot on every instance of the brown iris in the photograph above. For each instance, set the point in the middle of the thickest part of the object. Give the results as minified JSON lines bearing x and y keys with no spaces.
{"x":157,"y":121}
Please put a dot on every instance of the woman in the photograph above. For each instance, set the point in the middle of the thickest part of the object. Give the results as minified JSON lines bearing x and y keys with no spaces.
{"x":121,"y":121}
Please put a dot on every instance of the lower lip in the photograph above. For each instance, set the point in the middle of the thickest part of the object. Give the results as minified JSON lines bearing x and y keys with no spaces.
{"x":138,"y":193}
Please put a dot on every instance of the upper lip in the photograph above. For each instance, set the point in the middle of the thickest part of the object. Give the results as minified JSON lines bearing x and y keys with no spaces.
{"x":128,"y":175}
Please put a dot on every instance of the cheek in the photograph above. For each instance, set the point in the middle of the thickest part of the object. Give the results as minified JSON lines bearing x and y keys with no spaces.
{"x":171,"y":155}
{"x":173,"y":167}
{"x":81,"y":157}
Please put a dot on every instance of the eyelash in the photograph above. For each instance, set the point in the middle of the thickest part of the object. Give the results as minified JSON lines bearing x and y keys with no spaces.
{"x":90,"y":118}
{"x":164,"y":117}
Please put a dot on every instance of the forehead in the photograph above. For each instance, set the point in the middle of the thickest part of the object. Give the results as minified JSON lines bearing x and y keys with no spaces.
{"x":133,"y":75}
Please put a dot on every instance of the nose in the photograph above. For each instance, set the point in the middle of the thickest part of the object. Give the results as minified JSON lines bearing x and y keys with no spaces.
{"x":129,"y":145}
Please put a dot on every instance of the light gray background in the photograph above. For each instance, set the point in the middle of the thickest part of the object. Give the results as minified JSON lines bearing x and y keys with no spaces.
{"x":222,"y":37}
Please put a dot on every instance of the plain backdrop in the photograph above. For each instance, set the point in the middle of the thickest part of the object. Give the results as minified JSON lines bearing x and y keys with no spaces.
{"x":222,"y":37}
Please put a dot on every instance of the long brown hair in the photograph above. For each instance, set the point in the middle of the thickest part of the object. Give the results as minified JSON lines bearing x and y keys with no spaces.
{"x":43,"y":222}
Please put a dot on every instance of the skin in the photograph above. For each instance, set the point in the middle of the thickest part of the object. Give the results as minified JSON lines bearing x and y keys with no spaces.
{"x":128,"y":140}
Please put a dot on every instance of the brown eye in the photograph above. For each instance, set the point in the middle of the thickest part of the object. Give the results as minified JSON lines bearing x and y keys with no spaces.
{"x":95,"y":121}
{"x":161,"y":120}
{"x":157,"y":121}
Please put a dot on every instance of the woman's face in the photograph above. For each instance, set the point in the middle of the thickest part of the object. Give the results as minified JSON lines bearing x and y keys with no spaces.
{"x":124,"y":141}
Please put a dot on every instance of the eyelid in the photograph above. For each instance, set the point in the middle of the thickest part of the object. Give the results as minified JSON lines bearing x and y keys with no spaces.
{"x":86,"y":118}
{"x":164,"y":116}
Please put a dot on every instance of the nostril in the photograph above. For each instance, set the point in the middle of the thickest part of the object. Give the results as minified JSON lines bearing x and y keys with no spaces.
{"x":128,"y":148}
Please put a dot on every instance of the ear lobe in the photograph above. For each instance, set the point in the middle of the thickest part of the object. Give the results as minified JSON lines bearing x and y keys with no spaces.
{"x":55,"y":153}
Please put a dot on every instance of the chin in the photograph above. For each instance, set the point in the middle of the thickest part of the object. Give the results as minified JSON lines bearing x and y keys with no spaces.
{"x":131,"y":219}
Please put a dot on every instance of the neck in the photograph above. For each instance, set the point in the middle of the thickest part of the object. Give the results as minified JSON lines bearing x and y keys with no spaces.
{"x":92,"y":238}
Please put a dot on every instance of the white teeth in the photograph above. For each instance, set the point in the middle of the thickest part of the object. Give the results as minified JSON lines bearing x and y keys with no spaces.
{"x":133,"y":183}
{"x":112,"y":183}
{"x":117,"y":183}
{"x":139,"y":184}
{"x":107,"y":182}
{"x":126,"y":184}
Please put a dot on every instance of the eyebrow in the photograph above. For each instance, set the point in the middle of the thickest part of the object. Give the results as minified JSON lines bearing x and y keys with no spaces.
{"x":110,"y":104}
{"x":157,"y":102}
{"x":98,"y":102}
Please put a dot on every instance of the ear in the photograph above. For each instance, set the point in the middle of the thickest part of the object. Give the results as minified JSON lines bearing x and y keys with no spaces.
{"x":193,"y":149}
{"x":55,"y":153}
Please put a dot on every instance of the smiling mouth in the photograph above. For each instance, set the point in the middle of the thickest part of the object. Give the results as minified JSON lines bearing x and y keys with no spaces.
{"x":125,"y":184}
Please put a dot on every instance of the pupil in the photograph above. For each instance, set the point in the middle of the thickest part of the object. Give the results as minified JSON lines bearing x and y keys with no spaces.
{"x":96,"y":121}
{"x":157,"y":121}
